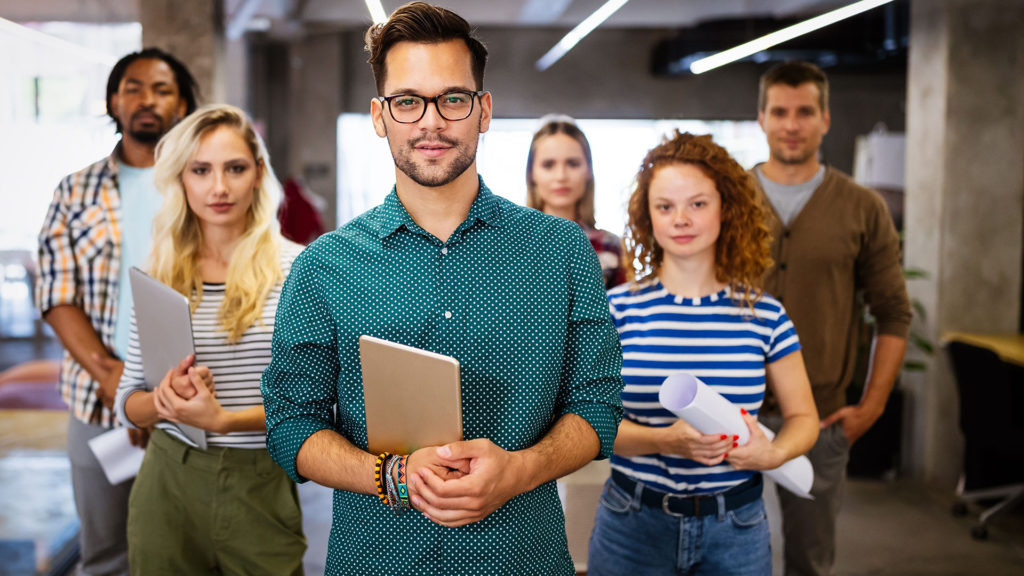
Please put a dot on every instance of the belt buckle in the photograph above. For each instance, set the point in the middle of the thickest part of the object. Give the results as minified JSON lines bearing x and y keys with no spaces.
{"x":665,"y":505}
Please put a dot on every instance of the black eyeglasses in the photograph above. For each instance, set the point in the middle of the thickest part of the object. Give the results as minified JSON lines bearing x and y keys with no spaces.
{"x":410,"y":108}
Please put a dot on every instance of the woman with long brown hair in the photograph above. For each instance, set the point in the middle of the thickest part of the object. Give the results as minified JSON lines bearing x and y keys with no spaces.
{"x":560,"y":182}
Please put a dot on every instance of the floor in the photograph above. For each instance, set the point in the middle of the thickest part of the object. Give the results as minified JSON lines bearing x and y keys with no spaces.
{"x":897,"y":527}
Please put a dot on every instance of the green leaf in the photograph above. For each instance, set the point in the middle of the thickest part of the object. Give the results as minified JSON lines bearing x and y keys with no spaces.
{"x":919,"y":310}
{"x":914,"y":366}
{"x":914,"y":273}
{"x":922,"y":343}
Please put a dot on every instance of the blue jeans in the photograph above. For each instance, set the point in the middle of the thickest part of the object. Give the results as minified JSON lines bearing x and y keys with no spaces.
{"x":634,"y":539}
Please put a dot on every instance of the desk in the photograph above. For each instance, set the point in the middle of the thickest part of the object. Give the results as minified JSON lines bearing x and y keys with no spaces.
{"x":1009,"y":347}
{"x":36,"y":503}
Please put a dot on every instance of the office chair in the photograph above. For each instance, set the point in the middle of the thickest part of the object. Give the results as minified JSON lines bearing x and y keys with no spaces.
{"x":991,"y":392}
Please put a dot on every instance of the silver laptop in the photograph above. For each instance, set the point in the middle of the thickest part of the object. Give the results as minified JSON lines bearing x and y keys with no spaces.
{"x":164,"y":323}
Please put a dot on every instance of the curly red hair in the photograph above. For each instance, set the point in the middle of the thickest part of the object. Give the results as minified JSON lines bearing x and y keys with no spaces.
{"x":742,"y":251}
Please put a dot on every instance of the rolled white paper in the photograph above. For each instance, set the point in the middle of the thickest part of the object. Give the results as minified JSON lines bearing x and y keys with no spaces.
{"x":710,"y":413}
{"x":117,"y":457}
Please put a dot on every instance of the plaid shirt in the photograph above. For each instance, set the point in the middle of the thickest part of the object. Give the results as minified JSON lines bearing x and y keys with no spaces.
{"x":79,"y":263}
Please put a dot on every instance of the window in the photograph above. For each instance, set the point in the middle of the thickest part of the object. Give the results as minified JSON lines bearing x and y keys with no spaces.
{"x":366,"y":171}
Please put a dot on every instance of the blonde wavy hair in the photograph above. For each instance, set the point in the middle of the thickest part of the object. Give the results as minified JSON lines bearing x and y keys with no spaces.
{"x":742,"y":251}
{"x":177,"y":236}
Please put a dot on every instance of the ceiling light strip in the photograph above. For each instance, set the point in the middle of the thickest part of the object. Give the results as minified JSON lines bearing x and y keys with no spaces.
{"x":240,"y":21}
{"x":376,"y":11}
{"x":578,"y":33}
{"x":778,"y":37}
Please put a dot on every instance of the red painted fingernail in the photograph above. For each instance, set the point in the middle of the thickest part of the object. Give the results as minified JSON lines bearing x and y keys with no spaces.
{"x":735,"y":445}
{"x":726,"y":456}
{"x":735,"y":436}
{"x":724,"y":436}
{"x":743,"y":411}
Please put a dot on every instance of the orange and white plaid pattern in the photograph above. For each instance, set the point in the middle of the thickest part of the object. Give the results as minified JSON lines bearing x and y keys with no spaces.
{"x":79,"y":264}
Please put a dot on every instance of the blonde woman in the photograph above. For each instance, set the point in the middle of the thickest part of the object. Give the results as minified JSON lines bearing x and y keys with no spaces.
{"x":228,"y":509}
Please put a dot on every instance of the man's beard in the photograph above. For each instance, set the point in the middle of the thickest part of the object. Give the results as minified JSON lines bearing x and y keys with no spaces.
{"x":464,"y":158}
{"x":150,"y":135}
{"x":794,"y":158}
{"x":147,"y":136}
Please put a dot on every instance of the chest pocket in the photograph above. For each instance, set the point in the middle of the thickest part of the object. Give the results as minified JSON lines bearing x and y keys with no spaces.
{"x":91,"y":232}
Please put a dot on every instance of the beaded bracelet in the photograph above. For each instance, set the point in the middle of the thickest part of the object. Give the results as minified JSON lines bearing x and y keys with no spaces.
{"x":378,"y":477}
{"x":392,"y":492}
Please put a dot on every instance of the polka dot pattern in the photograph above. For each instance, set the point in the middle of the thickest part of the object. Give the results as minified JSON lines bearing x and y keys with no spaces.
{"x":517,"y":297}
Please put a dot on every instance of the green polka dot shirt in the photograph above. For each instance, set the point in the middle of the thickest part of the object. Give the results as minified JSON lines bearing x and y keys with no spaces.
{"x":517,"y":297}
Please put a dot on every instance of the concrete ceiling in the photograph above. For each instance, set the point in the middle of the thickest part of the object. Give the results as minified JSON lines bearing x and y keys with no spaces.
{"x":482,"y":13}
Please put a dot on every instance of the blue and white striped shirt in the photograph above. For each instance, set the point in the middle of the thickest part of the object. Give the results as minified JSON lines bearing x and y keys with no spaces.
{"x":714,"y":338}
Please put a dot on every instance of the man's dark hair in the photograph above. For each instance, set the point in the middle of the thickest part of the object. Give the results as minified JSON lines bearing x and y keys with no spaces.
{"x":426,"y":24}
{"x":793,"y":73}
{"x":187,"y":87}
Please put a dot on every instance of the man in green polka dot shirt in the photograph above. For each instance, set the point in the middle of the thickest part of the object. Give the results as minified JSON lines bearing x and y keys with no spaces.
{"x":445,"y":265}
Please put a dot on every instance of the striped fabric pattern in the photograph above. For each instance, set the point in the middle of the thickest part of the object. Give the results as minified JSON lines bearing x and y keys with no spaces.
{"x":236,"y":368}
{"x":79,"y":262}
{"x":715,"y":339}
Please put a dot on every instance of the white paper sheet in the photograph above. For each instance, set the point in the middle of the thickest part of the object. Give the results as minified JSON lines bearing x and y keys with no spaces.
{"x":118,"y":458}
{"x":709,"y":412}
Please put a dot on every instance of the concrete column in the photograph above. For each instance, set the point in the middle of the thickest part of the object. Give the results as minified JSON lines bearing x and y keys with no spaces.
{"x":316,"y":70}
{"x":192,"y":30}
{"x":964,"y":198}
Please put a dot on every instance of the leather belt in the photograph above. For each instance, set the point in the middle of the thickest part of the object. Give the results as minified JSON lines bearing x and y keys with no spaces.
{"x":695,"y":504}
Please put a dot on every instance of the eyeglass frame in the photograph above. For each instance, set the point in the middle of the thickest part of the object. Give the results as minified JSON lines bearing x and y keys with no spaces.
{"x":474,"y":94}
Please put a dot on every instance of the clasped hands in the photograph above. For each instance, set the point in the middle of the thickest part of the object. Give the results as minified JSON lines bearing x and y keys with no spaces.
{"x":713,"y":449}
{"x":186,"y":396}
{"x":464,"y":482}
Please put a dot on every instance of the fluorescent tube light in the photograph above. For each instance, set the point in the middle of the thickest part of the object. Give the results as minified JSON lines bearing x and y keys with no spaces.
{"x":376,"y":11}
{"x":577,"y":33}
{"x":799,"y":29}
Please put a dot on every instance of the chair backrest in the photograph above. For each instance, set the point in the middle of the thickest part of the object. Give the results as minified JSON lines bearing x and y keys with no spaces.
{"x":991,"y":392}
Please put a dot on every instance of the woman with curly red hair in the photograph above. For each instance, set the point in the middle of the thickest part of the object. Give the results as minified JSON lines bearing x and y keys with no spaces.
{"x":680,"y":501}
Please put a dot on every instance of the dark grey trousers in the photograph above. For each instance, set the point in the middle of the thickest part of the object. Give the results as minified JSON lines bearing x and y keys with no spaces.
{"x":809,"y":526}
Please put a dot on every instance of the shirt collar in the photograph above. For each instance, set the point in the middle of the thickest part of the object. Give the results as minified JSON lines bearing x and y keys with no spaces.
{"x":114,"y":160}
{"x":485,"y":208}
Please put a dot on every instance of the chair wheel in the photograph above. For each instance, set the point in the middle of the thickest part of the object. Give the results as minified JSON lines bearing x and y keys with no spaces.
{"x":959,"y":509}
{"x":979,"y":532}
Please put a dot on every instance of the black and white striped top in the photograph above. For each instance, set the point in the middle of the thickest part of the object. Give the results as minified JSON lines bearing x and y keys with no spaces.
{"x":236,"y":368}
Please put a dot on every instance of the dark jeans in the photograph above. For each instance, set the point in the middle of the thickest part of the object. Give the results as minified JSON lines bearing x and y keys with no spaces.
{"x":633,"y":539}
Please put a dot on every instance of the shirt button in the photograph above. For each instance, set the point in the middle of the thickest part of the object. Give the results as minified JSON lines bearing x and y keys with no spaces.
{"x":447,"y":315}
{"x":444,"y":250}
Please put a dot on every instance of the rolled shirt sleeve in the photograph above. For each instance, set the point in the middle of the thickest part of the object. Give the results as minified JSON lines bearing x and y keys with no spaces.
{"x":299,"y":385}
{"x":593,"y":357}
